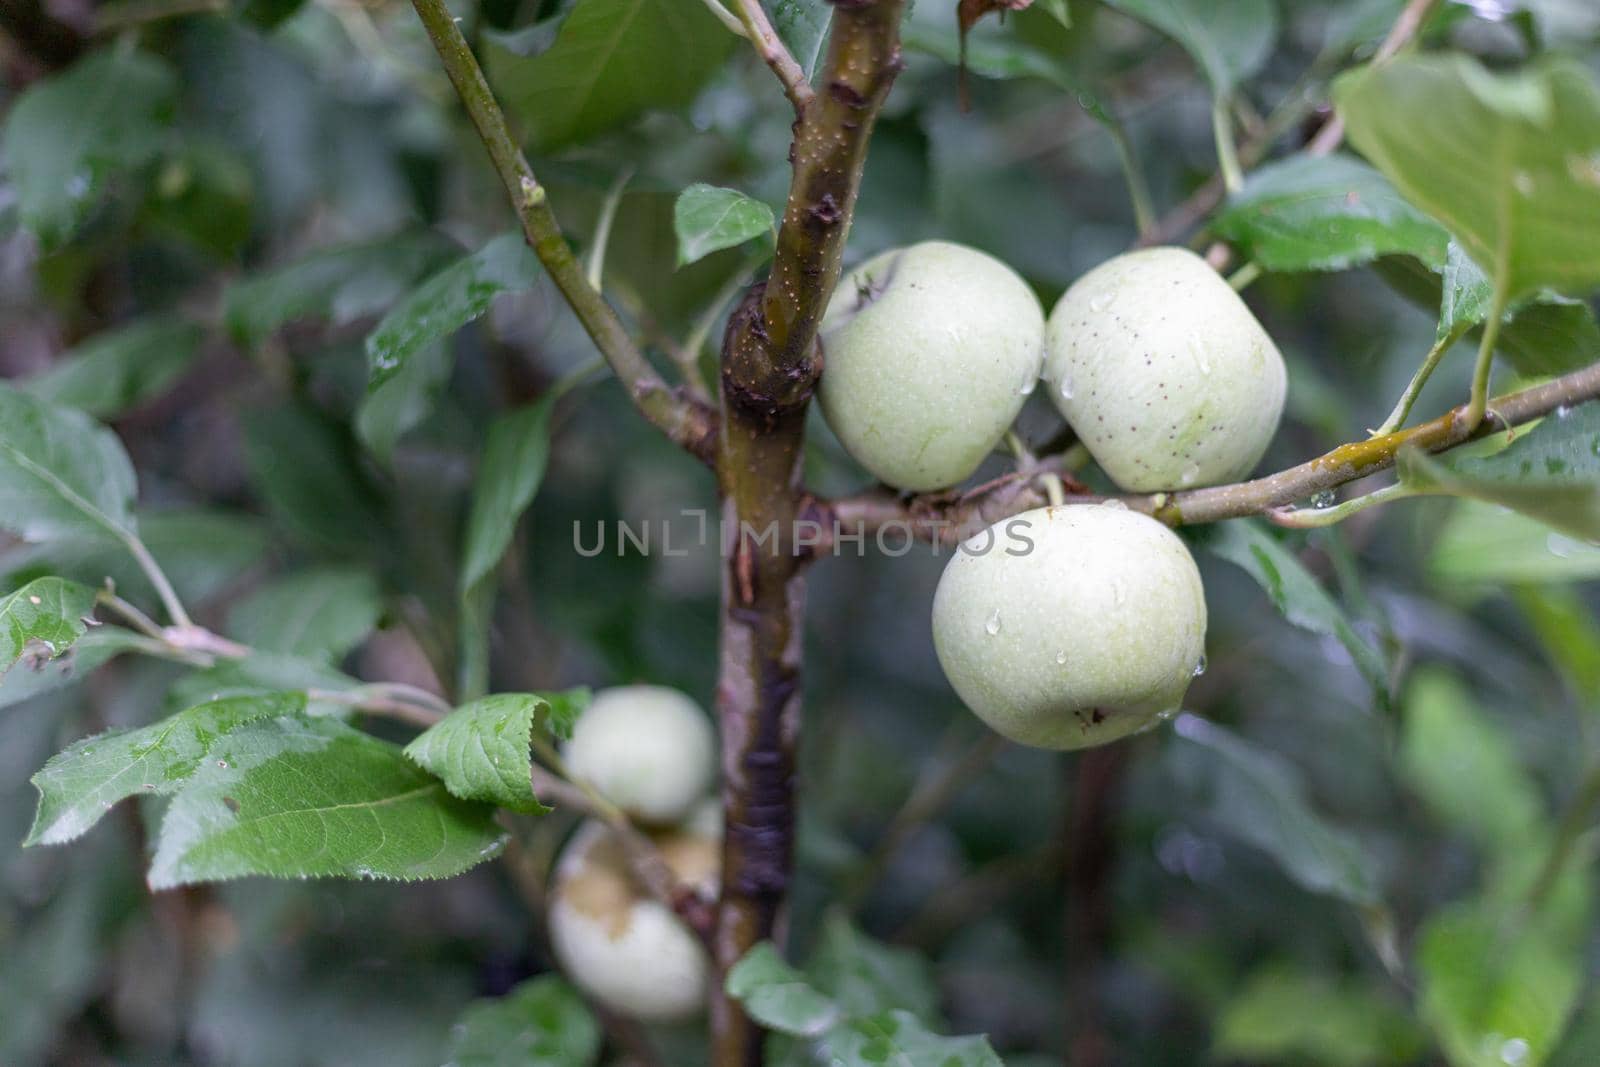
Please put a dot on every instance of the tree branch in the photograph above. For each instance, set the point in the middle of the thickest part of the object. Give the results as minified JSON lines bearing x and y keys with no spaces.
{"x":770,"y":365}
{"x":689,"y":424}
{"x":773,"y":365}
{"x":950,"y":520}
{"x":758,"y":28}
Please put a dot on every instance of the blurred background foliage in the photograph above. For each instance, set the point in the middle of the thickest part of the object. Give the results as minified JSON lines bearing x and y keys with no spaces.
{"x":1314,"y":873}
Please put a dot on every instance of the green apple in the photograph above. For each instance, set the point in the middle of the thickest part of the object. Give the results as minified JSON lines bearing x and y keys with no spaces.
{"x":928,"y":354}
{"x":1066,"y":627}
{"x":621,"y":946}
{"x":648,"y":749}
{"x":1163,"y":372}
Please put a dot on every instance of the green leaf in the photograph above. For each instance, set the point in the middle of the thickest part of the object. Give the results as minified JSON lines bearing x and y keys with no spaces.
{"x":541,"y":1023}
{"x":898,"y":1037}
{"x":342,"y":284}
{"x":1495,"y":990}
{"x":447,"y":301}
{"x":322,"y":613}
{"x":313,"y":798}
{"x":1296,"y":593}
{"x":203,"y":194}
{"x":1570,"y":634}
{"x":1550,"y":473}
{"x":708,"y":219}
{"x":1258,"y":797}
{"x":1465,"y":767}
{"x":308,"y":472}
{"x":481,"y":751}
{"x":407,"y":397}
{"x":1284,"y":1014}
{"x":1548,"y":334}
{"x":1229,"y":41}
{"x":120,"y":369}
{"x":1325,"y":213}
{"x":1510,"y":163}
{"x":81,"y":784}
{"x":777,"y":996}
{"x":611,"y":60}
{"x":201,"y":552}
{"x":803,"y":26}
{"x":61,"y":473}
{"x":92,"y":649}
{"x":69,"y":135}
{"x":868,"y":977}
{"x":1486,"y":543}
{"x":514,"y":460}
{"x":261,"y":674}
{"x":41,"y":620}
{"x":1004,"y":58}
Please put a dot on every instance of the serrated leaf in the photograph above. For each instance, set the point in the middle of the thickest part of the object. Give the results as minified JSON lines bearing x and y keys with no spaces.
{"x":1510,"y":163}
{"x":1295,"y":593}
{"x":70,"y":134}
{"x":1229,"y":41}
{"x":1325,"y":213}
{"x":481,"y":750}
{"x":900,"y":1038}
{"x":120,"y":369}
{"x":1496,"y":990}
{"x":313,"y":798}
{"x":1465,"y":768}
{"x":322,"y":613}
{"x":61,"y":473}
{"x":342,"y":284}
{"x":1487,"y":543}
{"x":777,"y":996}
{"x":611,"y":60}
{"x":81,"y":784}
{"x":91,"y":650}
{"x":708,"y":219}
{"x":1258,"y":797}
{"x":447,"y":301}
{"x":41,"y":620}
{"x":1550,"y":473}
{"x":541,"y":1023}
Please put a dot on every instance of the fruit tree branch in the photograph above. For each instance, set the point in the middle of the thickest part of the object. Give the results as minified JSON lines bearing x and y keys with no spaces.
{"x":773,"y":364}
{"x":768,"y":45}
{"x":687,"y":423}
{"x":770,"y":365}
{"x":950,"y":520}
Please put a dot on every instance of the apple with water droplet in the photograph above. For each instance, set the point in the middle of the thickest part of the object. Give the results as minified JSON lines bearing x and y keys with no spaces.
{"x":1163,"y":372}
{"x":1066,"y":627}
{"x":929,"y":352}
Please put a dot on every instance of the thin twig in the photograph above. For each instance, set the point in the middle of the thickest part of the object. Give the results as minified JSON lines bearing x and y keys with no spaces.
{"x":1402,"y":33}
{"x":951,"y":520}
{"x":554,"y":782}
{"x":689,"y":424}
{"x":758,"y":28}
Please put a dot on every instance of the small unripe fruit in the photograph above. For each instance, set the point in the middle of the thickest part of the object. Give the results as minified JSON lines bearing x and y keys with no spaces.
{"x":648,"y":749}
{"x":928,"y":354}
{"x":621,"y":946}
{"x":1163,"y":372}
{"x":1066,"y":627}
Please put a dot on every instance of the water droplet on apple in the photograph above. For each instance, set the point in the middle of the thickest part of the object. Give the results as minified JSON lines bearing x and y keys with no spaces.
{"x":992,"y":626}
